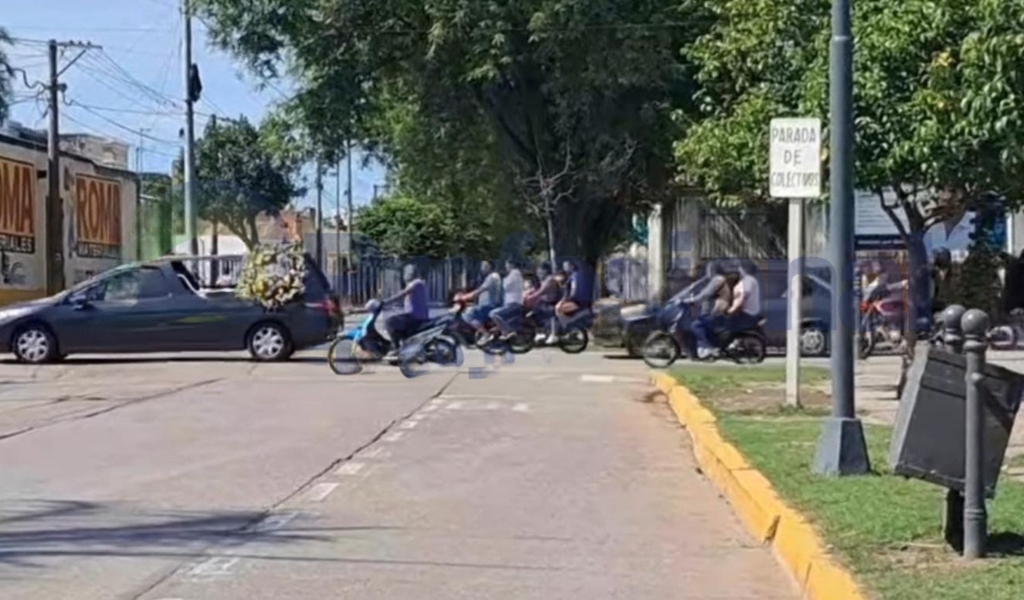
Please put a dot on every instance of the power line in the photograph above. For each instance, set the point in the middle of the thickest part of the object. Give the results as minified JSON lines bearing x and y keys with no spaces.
{"x":121,"y":126}
{"x":105,"y":134}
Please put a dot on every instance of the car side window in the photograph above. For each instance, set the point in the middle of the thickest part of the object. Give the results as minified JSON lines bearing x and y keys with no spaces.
{"x":135,"y":284}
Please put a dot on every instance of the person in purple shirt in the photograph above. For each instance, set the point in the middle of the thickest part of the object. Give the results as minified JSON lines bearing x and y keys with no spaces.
{"x":417,"y":311}
{"x":578,"y":294}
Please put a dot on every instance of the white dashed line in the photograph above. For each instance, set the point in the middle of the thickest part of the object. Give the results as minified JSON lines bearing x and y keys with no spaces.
{"x":377,"y":452}
{"x":431,"y":407}
{"x":318,"y":492}
{"x":393,"y":437}
{"x":597,"y":378}
{"x":409,"y":424}
{"x":521,"y":407}
{"x":218,"y":565}
{"x":350,"y":468}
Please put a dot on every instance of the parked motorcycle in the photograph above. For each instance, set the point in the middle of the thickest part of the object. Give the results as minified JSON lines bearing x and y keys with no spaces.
{"x":663,"y":348}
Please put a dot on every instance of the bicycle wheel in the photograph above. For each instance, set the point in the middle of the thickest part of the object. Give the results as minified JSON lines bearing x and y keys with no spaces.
{"x":342,"y":357}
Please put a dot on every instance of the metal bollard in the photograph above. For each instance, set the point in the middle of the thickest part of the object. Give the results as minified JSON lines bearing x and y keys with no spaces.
{"x":975,"y":327}
{"x":953,"y":517}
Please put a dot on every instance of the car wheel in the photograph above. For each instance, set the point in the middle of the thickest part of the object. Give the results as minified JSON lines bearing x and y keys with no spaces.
{"x":34,"y":344}
{"x":269,"y":342}
{"x":813,"y":341}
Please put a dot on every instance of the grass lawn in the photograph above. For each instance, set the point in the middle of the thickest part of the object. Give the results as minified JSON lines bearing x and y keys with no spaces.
{"x":886,"y":529}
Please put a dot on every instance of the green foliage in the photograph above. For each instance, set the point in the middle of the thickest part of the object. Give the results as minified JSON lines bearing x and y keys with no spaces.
{"x":240,"y":177}
{"x":273,"y":275}
{"x":522,"y":89}
{"x":406,"y":228}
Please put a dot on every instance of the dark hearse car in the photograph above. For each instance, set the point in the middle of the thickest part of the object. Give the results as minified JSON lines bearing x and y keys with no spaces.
{"x":160,"y":306}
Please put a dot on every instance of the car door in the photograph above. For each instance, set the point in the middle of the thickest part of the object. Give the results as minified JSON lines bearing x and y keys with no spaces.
{"x":132,"y":310}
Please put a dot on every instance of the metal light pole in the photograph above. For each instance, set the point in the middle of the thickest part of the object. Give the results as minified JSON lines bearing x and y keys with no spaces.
{"x":842,"y":449}
{"x":190,"y":133}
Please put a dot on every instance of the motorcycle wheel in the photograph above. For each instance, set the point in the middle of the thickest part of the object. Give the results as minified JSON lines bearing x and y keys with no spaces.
{"x":341,"y":357}
{"x":867,"y":344}
{"x":522,"y":342}
{"x":490,"y":343}
{"x":443,"y":352}
{"x":460,"y":355}
{"x":660,"y":350}
{"x":748,"y":349}
{"x":574,"y":341}
{"x":1003,"y":337}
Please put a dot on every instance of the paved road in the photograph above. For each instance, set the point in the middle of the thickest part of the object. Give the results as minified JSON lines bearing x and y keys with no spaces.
{"x":556,"y":477}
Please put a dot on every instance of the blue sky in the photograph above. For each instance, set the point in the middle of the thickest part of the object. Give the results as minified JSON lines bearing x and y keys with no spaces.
{"x":132,"y":88}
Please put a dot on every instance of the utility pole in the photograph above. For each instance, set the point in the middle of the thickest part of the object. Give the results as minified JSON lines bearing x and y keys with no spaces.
{"x":55,"y":264}
{"x":350,"y":216}
{"x":192,"y":90}
{"x":337,"y":228}
{"x":319,"y":215}
{"x":842,"y":449}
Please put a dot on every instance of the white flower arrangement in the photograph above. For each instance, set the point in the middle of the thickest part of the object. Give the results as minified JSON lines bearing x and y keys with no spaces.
{"x":273,"y":275}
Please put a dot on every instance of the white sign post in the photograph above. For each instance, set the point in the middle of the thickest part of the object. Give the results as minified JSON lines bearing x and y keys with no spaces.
{"x":795,"y":174}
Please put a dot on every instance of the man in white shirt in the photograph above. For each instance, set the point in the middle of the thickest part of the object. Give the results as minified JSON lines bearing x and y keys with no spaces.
{"x":507,"y":317}
{"x":953,"y":234}
{"x":745,"y":311}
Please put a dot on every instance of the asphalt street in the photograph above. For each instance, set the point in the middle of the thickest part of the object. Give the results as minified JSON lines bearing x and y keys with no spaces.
{"x":160,"y":478}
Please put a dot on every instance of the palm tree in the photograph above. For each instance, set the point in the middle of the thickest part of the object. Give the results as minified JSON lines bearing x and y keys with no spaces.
{"x":6,"y":72}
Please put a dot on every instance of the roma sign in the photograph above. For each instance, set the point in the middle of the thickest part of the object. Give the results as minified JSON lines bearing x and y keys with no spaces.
{"x":17,"y":207}
{"x":97,"y":217}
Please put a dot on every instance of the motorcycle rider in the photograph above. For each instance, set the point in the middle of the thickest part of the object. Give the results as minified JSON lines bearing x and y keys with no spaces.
{"x":417,"y":311}
{"x":719,"y":293}
{"x":745,"y":312}
{"x":487,"y":296}
{"x":542,"y":299}
{"x":508,"y":316}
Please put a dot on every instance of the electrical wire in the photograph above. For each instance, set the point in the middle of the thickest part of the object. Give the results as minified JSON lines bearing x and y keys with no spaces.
{"x":100,"y":132}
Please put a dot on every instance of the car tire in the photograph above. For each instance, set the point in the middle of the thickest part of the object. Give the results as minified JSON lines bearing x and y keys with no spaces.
{"x":813,"y":341}
{"x":35,"y":344}
{"x":269,"y":342}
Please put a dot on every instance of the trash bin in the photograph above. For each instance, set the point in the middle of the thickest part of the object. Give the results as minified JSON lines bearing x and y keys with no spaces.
{"x":928,"y":438}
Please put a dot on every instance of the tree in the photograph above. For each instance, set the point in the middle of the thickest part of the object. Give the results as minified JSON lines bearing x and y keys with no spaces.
{"x":6,"y":72}
{"x":404,"y":228}
{"x":541,"y":78}
{"x":240,"y":178}
{"x":924,"y":107}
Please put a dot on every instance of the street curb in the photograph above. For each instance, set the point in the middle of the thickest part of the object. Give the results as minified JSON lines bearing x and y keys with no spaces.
{"x":792,"y":538}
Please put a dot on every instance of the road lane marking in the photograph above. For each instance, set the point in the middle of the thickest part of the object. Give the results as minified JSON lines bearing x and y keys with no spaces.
{"x":409,"y":424}
{"x":350,"y":468}
{"x":275,"y":521}
{"x":597,"y":378}
{"x":318,"y":492}
{"x":431,"y":407}
{"x":393,"y":437}
{"x":521,"y":407}
{"x":377,"y":452}
{"x":218,"y":565}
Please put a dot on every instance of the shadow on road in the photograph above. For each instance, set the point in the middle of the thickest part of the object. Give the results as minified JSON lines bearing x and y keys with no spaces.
{"x":30,"y":531}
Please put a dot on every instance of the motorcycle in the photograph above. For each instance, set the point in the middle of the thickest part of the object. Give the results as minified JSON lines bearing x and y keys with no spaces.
{"x":354,"y":347}
{"x":663,"y":348}
{"x":572,"y":335}
{"x":429,"y":344}
{"x":880,"y":322}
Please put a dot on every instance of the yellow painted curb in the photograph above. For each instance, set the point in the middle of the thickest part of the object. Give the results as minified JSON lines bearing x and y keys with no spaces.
{"x":793,"y":540}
